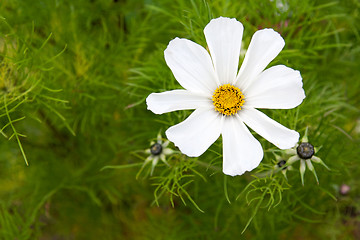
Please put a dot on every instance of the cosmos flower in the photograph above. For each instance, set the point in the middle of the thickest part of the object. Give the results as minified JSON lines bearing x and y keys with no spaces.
{"x":158,"y":150}
{"x":226,"y":99}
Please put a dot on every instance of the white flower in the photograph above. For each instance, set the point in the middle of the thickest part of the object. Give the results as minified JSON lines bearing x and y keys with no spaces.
{"x":224,"y":99}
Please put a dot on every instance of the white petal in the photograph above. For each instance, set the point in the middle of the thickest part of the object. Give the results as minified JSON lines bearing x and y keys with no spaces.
{"x":176,"y":100}
{"x":241,"y":151}
{"x":223,"y":36}
{"x":278,"y":87}
{"x":191,"y":65}
{"x":269,"y":129}
{"x":196,"y":134}
{"x":265,"y":45}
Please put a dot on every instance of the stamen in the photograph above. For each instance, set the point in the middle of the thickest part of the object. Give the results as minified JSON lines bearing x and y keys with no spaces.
{"x":228,"y":99}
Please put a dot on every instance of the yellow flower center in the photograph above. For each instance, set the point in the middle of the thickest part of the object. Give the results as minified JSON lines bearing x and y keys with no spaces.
{"x":228,"y":99}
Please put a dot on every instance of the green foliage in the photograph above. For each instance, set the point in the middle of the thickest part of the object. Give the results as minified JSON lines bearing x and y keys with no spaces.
{"x":74,"y":76}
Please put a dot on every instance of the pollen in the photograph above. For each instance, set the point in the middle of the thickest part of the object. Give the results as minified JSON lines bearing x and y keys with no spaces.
{"x":228,"y":99}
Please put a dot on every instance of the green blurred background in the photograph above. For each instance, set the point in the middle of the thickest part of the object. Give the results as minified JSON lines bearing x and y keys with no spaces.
{"x":74,"y":76}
